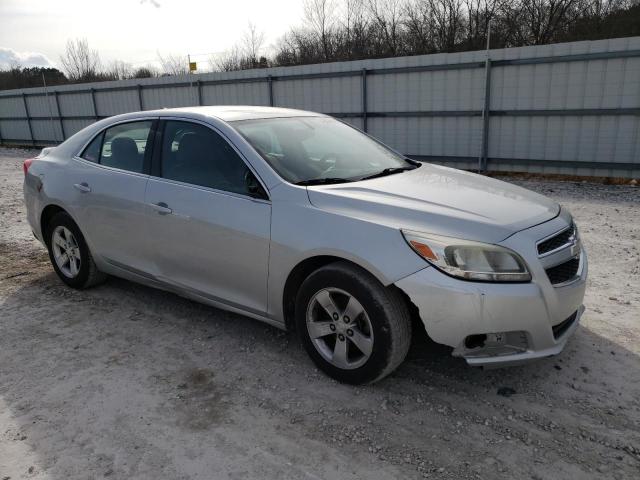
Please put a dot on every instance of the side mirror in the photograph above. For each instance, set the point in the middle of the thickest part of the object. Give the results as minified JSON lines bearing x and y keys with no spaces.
{"x":253,"y":186}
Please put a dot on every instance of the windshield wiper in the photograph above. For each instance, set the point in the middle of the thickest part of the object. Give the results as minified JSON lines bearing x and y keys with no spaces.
{"x":389,"y":171}
{"x":323,"y":181}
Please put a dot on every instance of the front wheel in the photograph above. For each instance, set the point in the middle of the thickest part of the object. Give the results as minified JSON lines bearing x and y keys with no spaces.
{"x":353,"y":328}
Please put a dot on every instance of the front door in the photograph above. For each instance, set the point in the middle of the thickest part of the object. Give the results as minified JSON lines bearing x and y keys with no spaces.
{"x":210,"y":233}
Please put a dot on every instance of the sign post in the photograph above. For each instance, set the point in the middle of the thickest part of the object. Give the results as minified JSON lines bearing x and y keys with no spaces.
{"x":193,"y":66}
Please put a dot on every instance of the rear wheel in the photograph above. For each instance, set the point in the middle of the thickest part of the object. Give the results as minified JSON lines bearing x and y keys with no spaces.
{"x":354,"y":329}
{"x":69,"y":253}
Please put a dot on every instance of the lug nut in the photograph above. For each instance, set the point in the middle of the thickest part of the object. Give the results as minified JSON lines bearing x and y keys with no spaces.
{"x":350,"y":332}
{"x":341,"y":337}
{"x":332,"y":327}
{"x":335,"y":316}
{"x":346,"y":319}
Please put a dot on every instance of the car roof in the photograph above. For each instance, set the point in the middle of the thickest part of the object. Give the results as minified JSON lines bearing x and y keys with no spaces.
{"x":230,"y":113}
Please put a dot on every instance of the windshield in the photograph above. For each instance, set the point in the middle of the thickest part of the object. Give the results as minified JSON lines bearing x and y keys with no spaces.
{"x":319,"y":149}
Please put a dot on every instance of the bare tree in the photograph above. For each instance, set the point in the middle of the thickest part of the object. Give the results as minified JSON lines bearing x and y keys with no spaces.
{"x":80,"y":62}
{"x":419,"y":25}
{"x":606,"y":19}
{"x":174,"y":64}
{"x":480,"y":14}
{"x":227,"y":61}
{"x":252,"y":43}
{"x":243,"y":55}
{"x":287,"y":51}
{"x":352,"y":41}
{"x":387,"y":17}
{"x":119,"y":70}
{"x":447,"y":23}
{"x":599,"y":9}
{"x":319,"y":16}
{"x":536,"y":22}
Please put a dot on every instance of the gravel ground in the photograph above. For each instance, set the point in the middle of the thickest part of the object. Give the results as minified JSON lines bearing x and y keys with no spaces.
{"x":123,"y":381}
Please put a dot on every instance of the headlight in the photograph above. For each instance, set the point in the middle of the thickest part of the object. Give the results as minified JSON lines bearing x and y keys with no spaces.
{"x":469,"y":260}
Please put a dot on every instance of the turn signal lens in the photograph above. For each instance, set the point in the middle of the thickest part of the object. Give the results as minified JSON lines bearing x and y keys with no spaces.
{"x":423,"y":249}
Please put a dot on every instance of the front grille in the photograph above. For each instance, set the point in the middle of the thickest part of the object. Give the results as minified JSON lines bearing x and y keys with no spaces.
{"x":564,"y":272}
{"x":557,"y":241}
{"x":561,"y":328}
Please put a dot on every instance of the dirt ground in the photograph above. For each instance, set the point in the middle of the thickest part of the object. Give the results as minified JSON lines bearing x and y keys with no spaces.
{"x":123,"y":381}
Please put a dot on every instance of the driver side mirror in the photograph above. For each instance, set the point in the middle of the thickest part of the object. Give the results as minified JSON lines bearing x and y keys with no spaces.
{"x":253,"y":186}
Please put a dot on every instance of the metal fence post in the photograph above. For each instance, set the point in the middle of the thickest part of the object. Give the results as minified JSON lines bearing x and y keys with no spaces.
{"x":484,"y":160}
{"x":140,"y":104}
{"x":482,"y":164}
{"x":46,"y":99}
{"x":364,"y":99}
{"x":93,"y":102}
{"x":26,"y":111}
{"x":270,"y":84}
{"x":199,"y":87}
{"x":64,"y":135}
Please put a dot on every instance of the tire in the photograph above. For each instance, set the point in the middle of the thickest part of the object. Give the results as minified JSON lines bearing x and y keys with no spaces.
{"x":376,"y":341}
{"x":85,"y":274}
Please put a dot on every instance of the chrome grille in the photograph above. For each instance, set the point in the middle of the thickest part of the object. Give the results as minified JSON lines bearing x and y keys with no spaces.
{"x":566,"y":237}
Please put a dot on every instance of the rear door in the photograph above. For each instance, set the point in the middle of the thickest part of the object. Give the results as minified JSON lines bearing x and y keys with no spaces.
{"x":109,"y":180}
{"x":210,"y":219}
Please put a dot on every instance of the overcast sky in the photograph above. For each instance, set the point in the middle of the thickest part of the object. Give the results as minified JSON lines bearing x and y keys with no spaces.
{"x":34,"y":32}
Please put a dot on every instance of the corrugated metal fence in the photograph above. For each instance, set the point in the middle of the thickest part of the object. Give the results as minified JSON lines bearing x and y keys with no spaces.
{"x":565,"y":108}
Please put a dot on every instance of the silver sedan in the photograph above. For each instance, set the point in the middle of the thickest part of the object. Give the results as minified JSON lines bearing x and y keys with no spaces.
{"x":306,"y":223}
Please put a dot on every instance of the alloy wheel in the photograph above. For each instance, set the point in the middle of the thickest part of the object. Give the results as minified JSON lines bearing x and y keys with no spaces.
{"x":66,"y":251}
{"x":339,"y":328}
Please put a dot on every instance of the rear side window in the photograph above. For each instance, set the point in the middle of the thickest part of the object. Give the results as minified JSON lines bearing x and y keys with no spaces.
{"x":92,"y":152}
{"x":195,"y":154}
{"x":124,"y":146}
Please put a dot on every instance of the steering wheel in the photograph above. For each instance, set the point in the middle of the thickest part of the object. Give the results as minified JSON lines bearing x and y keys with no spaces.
{"x":329,"y":166}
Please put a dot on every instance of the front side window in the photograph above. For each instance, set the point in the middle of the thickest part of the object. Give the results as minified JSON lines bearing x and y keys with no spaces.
{"x":195,"y":154}
{"x":124,"y":146}
{"x":307,"y":149}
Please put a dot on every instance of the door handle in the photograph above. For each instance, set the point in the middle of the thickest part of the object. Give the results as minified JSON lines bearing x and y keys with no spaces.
{"x":83,"y":187}
{"x":162,"y":208}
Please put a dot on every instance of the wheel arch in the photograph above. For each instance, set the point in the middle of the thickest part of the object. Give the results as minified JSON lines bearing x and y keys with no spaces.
{"x":47,"y":214}
{"x":303,"y":269}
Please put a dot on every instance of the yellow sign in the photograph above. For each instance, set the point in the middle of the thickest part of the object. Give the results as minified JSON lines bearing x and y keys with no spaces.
{"x":192,"y":66}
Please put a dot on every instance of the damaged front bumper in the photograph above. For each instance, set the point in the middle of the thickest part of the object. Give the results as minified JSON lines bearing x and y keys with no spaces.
{"x":500,"y":324}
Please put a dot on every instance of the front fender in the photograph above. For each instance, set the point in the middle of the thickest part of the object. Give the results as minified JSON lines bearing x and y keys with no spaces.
{"x":302,"y":231}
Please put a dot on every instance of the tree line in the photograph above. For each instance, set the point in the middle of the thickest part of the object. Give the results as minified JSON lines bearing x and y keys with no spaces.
{"x":80,"y":64}
{"x":339,"y":30}
{"x":359,"y":29}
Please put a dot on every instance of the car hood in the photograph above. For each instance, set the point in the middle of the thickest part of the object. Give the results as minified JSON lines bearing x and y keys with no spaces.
{"x":439,"y":200}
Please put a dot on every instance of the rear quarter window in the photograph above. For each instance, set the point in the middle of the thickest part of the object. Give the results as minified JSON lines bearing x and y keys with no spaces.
{"x":92,"y":151}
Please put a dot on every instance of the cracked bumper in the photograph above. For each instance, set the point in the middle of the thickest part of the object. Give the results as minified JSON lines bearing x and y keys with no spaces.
{"x":521,"y":322}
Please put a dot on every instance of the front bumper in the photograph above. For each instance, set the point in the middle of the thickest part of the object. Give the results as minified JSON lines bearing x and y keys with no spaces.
{"x":500,"y":324}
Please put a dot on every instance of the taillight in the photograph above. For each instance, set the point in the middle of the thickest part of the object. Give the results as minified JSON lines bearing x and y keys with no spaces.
{"x":25,"y":166}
